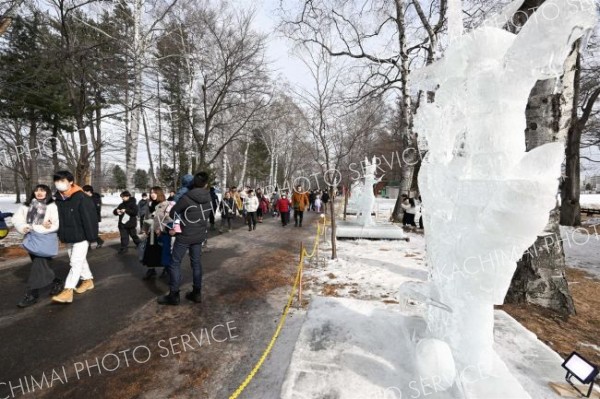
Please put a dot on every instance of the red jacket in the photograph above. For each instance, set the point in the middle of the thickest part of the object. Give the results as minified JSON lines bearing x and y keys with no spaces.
{"x":283,"y":205}
{"x":263,"y":204}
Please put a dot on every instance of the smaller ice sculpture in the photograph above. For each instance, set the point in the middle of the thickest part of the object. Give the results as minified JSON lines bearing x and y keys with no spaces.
{"x":366,"y":202}
{"x":362,"y":202}
{"x":355,"y":192}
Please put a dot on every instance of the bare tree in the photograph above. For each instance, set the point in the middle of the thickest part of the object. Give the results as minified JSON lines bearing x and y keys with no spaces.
{"x":356,"y":31}
{"x":331,"y":124}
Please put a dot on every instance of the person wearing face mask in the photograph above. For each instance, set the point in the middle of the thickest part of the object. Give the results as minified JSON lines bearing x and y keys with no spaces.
{"x":283,"y":207}
{"x":251,"y":209}
{"x":158,"y":241}
{"x":39,"y":215}
{"x":78,"y":226}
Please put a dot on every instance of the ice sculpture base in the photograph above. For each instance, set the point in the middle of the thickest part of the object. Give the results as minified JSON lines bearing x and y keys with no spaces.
{"x":345,"y":229}
{"x":351,"y":349}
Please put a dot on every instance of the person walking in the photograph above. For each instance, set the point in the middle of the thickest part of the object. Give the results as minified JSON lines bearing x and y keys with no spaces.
{"x":214,"y":200}
{"x":127,"y":212}
{"x":300,"y":203}
{"x":237,"y":199}
{"x":143,"y":211}
{"x":39,"y":216}
{"x":227,"y":207}
{"x":274,"y":199}
{"x":97,"y":199}
{"x":410,"y":209}
{"x":311,"y":200}
{"x":283,"y":207}
{"x":158,"y":243}
{"x":251,"y":210}
{"x":193,"y":210}
{"x":325,"y":198}
{"x":77,"y":227}
{"x":263,"y":205}
{"x":317,"y":203}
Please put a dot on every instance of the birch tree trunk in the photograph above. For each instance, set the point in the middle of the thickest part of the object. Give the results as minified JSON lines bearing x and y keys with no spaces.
{"x":276,"y":172}
{"x":131,"y":138}
{"x":409,"y":157}
{"x":540,"y":275}
{"x":148,"y":149}
{"x":243,"y":177}
{"x":272,"y":168}
{"x":224,"y":172}
{"x":159,"y":118}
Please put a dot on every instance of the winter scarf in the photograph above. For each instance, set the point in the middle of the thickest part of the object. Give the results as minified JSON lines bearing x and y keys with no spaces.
{"x":67,"y":194}
{"x":36,"y":212}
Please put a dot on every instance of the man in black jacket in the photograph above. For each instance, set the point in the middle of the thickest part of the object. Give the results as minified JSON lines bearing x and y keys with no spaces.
{"x":143,"y":210}
{"x":78,"y":226}
{"x":97,"y":198}
{"x":193,"y":209}
{"x":127,"y":212}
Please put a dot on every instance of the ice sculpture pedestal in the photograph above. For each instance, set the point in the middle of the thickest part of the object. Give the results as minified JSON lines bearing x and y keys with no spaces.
{"x":345,"y":229}
{"x":344,"y":351}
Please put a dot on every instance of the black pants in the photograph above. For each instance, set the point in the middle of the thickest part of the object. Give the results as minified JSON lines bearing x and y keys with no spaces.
{"x":251,"y":218}
{"x":211,"y":218}
{"x":298,"y":215}
{"x":225,"y":219}
{"x":285,"y":218}
{"x":408,"y":219}
{"x":126,"y":232}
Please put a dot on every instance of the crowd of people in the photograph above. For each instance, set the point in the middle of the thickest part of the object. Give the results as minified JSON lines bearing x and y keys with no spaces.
{"x":163,"y":229}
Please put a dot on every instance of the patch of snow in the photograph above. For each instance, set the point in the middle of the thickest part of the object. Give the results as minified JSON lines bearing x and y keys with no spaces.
{"x":590,"y":201}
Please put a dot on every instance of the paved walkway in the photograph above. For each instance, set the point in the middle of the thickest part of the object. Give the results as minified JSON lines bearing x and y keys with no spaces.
{"x":190,"y":351}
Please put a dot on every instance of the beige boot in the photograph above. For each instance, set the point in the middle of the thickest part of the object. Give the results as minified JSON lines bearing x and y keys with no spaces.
{"x":85,"y":285}
{"x":66,"y":296}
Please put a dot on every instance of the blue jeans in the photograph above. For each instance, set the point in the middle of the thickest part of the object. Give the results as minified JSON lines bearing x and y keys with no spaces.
{"x":179,"y":250}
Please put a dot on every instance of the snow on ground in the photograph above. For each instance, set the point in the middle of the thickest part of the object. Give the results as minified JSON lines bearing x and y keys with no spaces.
{"x":590,"y":201}
{"x":370,"y":270}
{"x":359,"y":336}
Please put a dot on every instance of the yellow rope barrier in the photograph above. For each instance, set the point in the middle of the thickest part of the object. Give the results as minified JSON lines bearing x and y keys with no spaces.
{"x":297,"y":282}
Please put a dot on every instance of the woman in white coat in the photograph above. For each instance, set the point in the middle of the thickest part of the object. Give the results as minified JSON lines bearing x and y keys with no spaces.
{"x":38,"y":214}
{"x":251,"y":206}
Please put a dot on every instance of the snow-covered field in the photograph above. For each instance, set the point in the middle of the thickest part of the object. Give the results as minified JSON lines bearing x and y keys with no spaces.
{"x":356,"y":341}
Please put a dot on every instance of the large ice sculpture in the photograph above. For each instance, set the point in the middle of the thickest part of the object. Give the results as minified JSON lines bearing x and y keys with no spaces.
{"x":366,"y":202}
{"x":486,"y":198}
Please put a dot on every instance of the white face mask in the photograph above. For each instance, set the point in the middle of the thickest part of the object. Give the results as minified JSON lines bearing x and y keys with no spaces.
{"x":60,"y":186}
